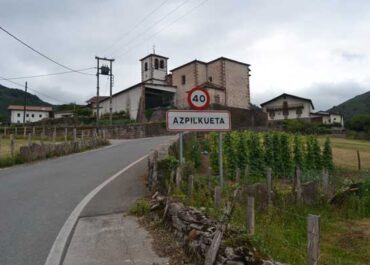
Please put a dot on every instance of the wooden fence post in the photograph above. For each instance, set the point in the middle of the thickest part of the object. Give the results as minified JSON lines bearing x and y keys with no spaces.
{"x":12,"y":146}
{"x":1,"y":138}
{"x":178,"y":176}
{"x":298,"y":187}
{"x":217,"y":197}
{"x":54,"y":135}
{"x":42,"y":137}
{"x":74,"y":135}
{"x":24,"y":132}
{"x":190,"y":185}
{"x":269,"y":185}
{"x":313,"y":239}
{"x":250,"y":216}
{"x":237,"y":175}
{"x":325,"y":181}
{"x":15,"y":131}
{"x":65,"y":134}
{"x":358,"y":160}
{"x":209,"y":176}
{"x":33,"y":131}
{"x":29,"y":139}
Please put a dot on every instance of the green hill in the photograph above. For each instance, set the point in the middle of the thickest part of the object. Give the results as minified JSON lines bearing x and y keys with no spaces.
{"x":355,"y":106}
{"x":11,"y":96}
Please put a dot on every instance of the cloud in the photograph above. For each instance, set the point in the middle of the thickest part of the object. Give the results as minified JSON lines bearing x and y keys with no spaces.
{"x":302,"y":47}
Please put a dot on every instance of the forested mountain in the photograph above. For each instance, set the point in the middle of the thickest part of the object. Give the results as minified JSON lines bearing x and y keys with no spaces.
{"x":11,"y":96}
{"x":357,"y":105}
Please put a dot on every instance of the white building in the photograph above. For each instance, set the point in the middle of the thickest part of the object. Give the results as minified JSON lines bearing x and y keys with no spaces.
{"x":226,"y":80}
{"x":33,"y":113}
{"x":153,"y":90}
{"x":63,"y":114}
{"x":329,"y":118}
{"x":287,"y":106}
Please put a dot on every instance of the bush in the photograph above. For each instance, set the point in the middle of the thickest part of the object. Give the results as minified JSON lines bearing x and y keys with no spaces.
{"x":140,"y":208}
{"x":359,"y":123}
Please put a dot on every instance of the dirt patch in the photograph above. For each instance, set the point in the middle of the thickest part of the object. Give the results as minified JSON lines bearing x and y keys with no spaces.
{"x":165,"y":244}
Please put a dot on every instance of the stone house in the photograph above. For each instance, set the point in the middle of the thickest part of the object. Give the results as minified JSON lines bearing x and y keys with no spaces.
{"x":226,"y":80}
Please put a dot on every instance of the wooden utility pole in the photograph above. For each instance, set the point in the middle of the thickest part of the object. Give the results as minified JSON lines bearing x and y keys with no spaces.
{"x":25,"y":103}
{"x":104,"y":70}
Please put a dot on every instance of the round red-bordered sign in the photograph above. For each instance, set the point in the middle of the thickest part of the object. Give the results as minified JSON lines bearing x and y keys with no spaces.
{"x":198,"y":98}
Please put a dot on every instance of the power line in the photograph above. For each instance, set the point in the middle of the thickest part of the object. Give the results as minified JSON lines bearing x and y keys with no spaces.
{"x":135,"y":26}
{"x":40,"y":53}
{"x":153,"y":25}
{"x":43,"y":75}
{"x":38,"y":92}
{"x":165,"y":27}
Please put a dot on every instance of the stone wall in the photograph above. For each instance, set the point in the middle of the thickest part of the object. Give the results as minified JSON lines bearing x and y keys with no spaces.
{"x":133,"y":131}
{"x":41,"y":151}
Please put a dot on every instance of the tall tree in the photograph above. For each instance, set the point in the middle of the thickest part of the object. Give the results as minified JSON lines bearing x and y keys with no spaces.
{"x":327,"y":156}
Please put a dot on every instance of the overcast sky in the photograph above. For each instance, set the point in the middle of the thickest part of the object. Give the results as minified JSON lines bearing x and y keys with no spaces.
{"x":318,"y":49}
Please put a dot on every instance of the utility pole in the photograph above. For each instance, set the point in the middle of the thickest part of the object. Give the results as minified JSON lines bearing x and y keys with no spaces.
{"x":104,"y":70}
{"x":25,"y":103}
{"x":97,"y":90}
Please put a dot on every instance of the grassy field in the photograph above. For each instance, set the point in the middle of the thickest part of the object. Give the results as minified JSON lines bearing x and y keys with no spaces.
{"x":345,"y":152}
{"x":5,"y":146}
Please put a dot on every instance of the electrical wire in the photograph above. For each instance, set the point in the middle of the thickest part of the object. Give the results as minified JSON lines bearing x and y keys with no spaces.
{"x":37,"y":92}
{"x":152,"y":25}
{"x":163,"y":28}
{"x":43,"y":75}
{"x":135,"y":26}
{"x":41,"y":54}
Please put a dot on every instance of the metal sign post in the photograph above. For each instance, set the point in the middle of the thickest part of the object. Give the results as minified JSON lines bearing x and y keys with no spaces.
{"x":199,"y":120}
{"x":181,"y":147}
{"x":220,"y":160}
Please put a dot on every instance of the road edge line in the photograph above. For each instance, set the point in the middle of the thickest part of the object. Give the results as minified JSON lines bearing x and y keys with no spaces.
{"x":58,"y":250}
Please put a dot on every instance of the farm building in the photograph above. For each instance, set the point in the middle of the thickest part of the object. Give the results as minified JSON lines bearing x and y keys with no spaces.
{"x":287,"y":107}
{"x":33,"y":113}
{"x":226,"y":80}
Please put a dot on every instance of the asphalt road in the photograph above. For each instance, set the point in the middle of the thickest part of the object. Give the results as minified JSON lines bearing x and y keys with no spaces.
{"x":36,"y":199}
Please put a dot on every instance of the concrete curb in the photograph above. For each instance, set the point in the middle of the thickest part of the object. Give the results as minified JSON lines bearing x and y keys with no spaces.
{"x":60,"y":246}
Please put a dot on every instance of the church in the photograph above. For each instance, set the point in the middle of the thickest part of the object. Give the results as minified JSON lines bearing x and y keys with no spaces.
{"x":226,"y":80}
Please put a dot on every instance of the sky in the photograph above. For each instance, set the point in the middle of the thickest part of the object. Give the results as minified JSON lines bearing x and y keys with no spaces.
{"x":319,"y":49}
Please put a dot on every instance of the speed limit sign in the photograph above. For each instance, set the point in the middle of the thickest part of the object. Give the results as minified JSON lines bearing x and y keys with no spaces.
{"x":198,"y":98}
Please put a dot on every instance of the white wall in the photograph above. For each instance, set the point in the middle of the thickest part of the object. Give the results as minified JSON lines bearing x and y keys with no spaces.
{"x":335,"y":118}
{"x":127,"y":101}
{"x":307,"y":108}
{"x":159,"y":73}
{"x":16,"y":116}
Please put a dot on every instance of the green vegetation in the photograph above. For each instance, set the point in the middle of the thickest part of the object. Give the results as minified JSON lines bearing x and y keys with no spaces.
{"x":140,"y":208}
{"x":281,"y":229}
{"x":359,"y":105}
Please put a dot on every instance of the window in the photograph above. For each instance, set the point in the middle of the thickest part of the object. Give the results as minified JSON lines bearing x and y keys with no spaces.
{"x":33,"y":115}
{"x":27,"y":115}
{"x":183,"y":79}
{"x":145,"y":66}
{"x":210,"y":79}
{"x":161,"y":64}
{"x":156,"y":63}
{"x":18,"y":115}
{"x":40,"y":115}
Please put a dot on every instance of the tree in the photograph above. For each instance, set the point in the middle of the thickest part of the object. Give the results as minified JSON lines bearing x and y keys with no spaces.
{"x":327,"y":156}
{"x":298,"y":152}
{"x":316,"y":152}
{"x":213,"y":148}
{"x":277,"y":165}
{"x":229,"y":155}
{"x":241,"y":150}
{"x":256,"y":159}
{"x":286,"y":160}
{"x":309,"y":156}
{"x":269,"y":150}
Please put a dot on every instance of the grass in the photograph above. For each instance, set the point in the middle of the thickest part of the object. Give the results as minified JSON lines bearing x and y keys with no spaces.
{"x":18,"y":142}
{"x":345,"y":152}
